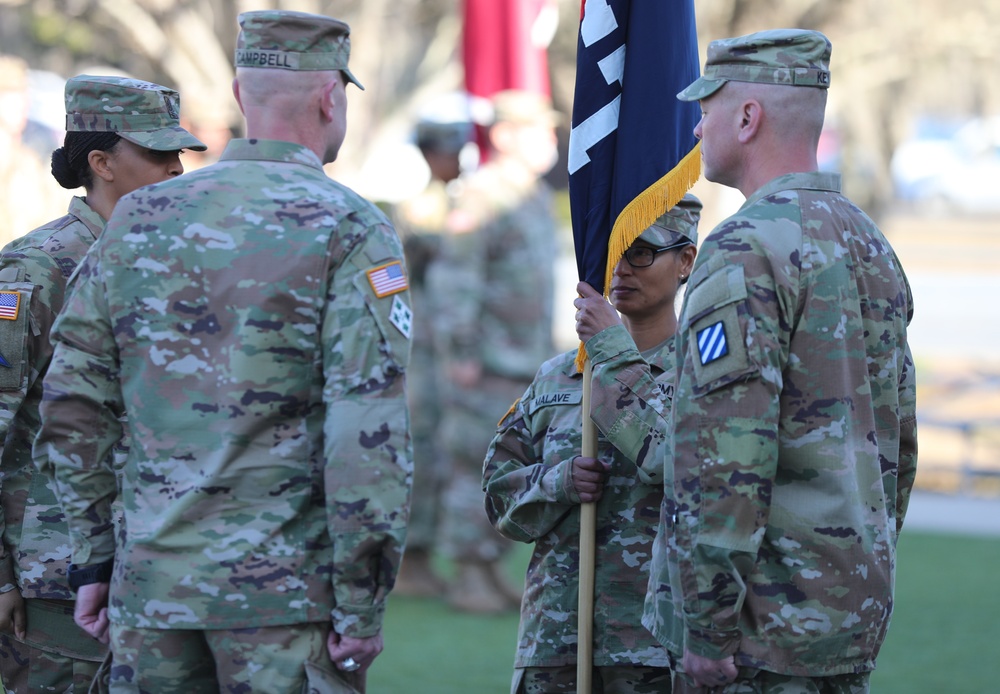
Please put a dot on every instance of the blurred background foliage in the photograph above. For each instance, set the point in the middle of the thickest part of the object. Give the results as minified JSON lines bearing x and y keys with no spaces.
{"x":894,"y":61}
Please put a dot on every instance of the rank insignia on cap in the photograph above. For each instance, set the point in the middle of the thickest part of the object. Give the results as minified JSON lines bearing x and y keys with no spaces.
{"x":9,"y":304}
{"x":388,"y":279}
{"x":401,"y":316}
{"x":712,"y":343}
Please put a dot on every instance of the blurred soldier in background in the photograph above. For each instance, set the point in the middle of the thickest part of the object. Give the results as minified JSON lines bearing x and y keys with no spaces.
{"x":443,"y":134}
{"x":491,"y":288}
{"x":28,"y":195}
{"x":121,"y":134}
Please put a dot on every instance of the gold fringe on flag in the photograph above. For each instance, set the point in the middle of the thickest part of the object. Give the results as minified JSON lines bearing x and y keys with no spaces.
{"x":642,"y":211}
{"x":648,"y":206}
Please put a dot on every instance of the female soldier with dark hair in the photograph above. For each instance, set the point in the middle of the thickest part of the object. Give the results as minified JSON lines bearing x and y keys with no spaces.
{"x":121,"y":134}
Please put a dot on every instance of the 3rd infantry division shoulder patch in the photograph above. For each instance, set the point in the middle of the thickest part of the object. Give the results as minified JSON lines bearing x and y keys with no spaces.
{"x":712,"y":343}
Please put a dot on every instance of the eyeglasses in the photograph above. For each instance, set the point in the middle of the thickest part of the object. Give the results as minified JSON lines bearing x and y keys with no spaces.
{"x":643,"y":256}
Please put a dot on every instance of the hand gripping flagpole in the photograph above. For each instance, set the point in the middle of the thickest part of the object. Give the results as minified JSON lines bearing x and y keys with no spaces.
{"x":588,"y":551}
{"x":632,"y":157}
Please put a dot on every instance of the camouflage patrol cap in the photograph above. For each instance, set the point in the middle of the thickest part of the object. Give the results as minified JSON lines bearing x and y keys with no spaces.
{"x":141,"y":112}
{"x":289,"y":40}
{"x":681,"y":219}
{"x":794,"y":57}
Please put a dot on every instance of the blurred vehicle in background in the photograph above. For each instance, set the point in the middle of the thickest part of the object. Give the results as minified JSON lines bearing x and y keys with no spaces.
{"x":950,"y":169}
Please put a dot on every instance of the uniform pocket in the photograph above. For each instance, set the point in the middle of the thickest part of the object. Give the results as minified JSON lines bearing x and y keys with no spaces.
{"x":322,"y":680}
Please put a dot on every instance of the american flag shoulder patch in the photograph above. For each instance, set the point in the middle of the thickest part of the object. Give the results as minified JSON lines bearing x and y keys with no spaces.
{"x":388,"y":279}
{"x":10,"y":302}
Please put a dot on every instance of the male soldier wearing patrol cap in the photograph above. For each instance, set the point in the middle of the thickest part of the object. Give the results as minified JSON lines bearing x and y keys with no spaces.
{"x":253,"y":319}
{"x":492,"y":286}
{"x":535,"y":480}
{"x":443,"y":133}
{"x":794,"y":427}
{"x":121,"y":134}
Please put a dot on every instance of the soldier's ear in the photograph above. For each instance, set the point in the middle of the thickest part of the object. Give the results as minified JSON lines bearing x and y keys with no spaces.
{"x":98,"y":161}
{"x":328,"y":99}
{"x":236,"y":94}
{"x":687,"y":256}
{"x":751,"y":114}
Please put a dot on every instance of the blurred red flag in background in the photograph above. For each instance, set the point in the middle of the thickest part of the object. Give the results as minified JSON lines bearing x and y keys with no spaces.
{"x":504,"y":46}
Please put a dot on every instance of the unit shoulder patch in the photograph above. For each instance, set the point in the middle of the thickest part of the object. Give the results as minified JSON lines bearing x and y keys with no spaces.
{"x":401,"y":317}
{"x":712,"y":343}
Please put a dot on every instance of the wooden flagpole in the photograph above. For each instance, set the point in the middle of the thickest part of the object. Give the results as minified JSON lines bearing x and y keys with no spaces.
{"x":588,"y":542}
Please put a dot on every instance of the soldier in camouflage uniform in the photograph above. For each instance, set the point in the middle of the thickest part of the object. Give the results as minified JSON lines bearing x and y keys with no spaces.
{"x":535,"y":479}
{"x":121,"y":134}
{"x":253,"y":319}
{"x":793,"y":447}
{"x":443,"y":131}
{"x":491,"y":287}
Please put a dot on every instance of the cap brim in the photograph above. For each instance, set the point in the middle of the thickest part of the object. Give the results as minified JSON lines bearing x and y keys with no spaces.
{"x":701,"y":88}
{"x":660,"y":235}
{"x":353,"y":79}
{"x":164,"y":139}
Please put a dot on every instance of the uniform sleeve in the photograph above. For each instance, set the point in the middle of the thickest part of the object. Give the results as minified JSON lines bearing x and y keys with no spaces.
{"x":17,"y":345}
{"x":369,"y":464}
{"x":627,"y":404}
{"x":725,"y":416}
{"x":35,"y":281}
{"x":528,"y":490}
{"x":907,"y":438}
{"x":81,"y":410}
{"x":16,"y":376}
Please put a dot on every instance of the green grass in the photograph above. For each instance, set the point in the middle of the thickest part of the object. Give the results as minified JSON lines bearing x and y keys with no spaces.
{"x":430,"y":649}
{"x":945,"y":632}
{"x":944,"y":638}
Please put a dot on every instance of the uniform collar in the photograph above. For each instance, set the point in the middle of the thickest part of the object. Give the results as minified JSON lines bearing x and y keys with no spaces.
{"x":812,"y":180}
{"x":270,"y":150}
{"x":94,"y":222}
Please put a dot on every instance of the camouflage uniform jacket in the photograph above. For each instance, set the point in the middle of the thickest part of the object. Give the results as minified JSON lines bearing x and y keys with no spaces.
{"x":530,"y":498}
{"x":492,"y":285}
{"x":37,"y":266}
{"x":793,"y":435}
{"x":233,"y":313}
